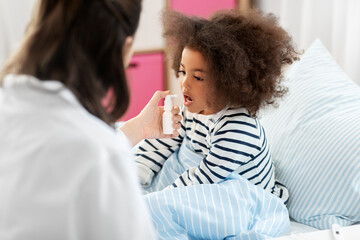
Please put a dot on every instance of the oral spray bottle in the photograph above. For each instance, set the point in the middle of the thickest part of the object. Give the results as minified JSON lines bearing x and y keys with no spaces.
{"x":167,"y":115}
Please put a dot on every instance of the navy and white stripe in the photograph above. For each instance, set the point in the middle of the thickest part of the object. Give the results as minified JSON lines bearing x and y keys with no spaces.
{"x":229,"y":141}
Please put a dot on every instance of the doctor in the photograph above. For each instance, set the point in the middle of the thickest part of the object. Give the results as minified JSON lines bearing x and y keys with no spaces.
{"x":64,"y":172}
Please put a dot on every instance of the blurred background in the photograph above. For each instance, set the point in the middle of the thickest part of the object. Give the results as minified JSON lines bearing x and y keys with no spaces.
{"x":335,"y":22}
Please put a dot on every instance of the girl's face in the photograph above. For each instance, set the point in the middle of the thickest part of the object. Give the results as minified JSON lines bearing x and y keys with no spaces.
{"x":195,"y":82}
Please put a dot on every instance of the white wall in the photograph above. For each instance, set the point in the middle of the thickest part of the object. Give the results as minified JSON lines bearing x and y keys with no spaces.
{"x":148,"y":36}
{"x":14,"y":16}
{"x":335,"y":22}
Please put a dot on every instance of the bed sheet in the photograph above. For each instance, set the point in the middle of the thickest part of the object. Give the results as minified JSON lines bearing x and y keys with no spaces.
{"x":296,"y":228}
{"x":300,"y":231}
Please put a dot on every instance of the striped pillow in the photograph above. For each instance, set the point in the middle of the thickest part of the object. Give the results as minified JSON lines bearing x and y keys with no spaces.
{"x":315,"y":140}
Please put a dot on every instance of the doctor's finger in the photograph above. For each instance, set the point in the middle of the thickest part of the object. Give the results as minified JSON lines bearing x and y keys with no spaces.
{"x":176,"y":118}
{"x":175,"y":134}
{"x":176,"y":125}
{"x":157,"y":96}
{"x":175,"y":110}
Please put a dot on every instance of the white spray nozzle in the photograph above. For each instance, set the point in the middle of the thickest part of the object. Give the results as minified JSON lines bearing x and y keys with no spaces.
{"x":168,"y":102}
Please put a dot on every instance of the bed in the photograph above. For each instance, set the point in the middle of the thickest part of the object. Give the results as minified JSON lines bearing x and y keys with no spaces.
{"x":298,"y":231}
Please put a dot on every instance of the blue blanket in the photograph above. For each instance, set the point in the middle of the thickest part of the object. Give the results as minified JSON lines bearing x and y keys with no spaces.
{"x":231,"y":209}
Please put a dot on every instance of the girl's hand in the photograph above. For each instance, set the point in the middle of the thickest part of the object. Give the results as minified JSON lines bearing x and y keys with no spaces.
{"x":148,"y":124}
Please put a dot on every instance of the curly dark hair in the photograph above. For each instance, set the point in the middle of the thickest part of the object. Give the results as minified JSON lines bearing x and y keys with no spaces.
{"x":246,"y":53}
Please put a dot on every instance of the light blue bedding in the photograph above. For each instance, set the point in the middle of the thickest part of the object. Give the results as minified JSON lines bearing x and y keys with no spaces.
{"x":231,"y":209}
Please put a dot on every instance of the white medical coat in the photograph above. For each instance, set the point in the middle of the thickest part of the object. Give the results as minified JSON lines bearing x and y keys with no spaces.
{"x":64,"y":174}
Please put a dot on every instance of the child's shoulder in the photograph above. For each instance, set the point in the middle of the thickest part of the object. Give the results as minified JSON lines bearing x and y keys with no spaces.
{"x":227,"y":118}
{"x":236,"y":114}
{"x":236,"y":118}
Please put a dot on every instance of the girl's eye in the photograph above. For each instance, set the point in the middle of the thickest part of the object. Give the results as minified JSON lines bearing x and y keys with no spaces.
{"x":198,"y":78}
{"x":181,"y":72}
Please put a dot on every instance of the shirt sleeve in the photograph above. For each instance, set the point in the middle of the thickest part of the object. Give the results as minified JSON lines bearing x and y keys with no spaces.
{"x":235,"y":142}
{"x":152,"y":153}
{"x":109,"y":204}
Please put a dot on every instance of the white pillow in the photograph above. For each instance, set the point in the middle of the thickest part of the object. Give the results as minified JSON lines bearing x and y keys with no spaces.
{"x":315,"y":141}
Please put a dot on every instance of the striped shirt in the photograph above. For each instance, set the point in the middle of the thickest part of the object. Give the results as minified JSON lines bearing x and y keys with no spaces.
{"x":229,"y":141}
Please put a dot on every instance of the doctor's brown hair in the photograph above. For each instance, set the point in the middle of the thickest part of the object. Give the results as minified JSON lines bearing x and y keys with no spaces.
{"x":245,"y":52}
{"x":80,"y":43}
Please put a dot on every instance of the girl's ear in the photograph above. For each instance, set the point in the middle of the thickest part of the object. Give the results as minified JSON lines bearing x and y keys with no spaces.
{"x":127,"y":50}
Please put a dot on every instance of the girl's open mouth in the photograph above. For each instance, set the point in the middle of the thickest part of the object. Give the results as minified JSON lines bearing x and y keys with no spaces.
{"x":187,"y":100}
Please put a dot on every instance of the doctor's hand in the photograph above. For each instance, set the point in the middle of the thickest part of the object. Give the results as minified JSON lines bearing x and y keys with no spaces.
{"x":148,"y":124}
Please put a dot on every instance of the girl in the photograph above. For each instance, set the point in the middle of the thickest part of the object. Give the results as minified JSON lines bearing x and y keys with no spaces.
{"x":229,"y":67}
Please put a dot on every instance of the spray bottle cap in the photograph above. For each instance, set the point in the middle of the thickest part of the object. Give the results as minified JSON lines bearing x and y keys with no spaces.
{"x":168,"y":102}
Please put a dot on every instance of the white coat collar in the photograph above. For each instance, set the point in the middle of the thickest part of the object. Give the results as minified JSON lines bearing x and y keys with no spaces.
{"x":12,"y":81}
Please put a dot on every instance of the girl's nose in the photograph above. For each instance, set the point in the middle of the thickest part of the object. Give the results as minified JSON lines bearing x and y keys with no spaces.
{"x":184,"y":83}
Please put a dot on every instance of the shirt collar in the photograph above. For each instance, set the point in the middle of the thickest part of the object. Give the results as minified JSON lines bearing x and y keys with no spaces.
{"x":48,"y":86}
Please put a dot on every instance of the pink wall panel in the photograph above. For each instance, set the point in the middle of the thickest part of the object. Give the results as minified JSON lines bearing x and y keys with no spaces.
{"x":202,"y":8}
{"x":145,"y":78}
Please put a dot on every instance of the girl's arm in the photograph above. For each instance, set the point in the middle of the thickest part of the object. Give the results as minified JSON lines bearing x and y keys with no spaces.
{"x":152,"y":153}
